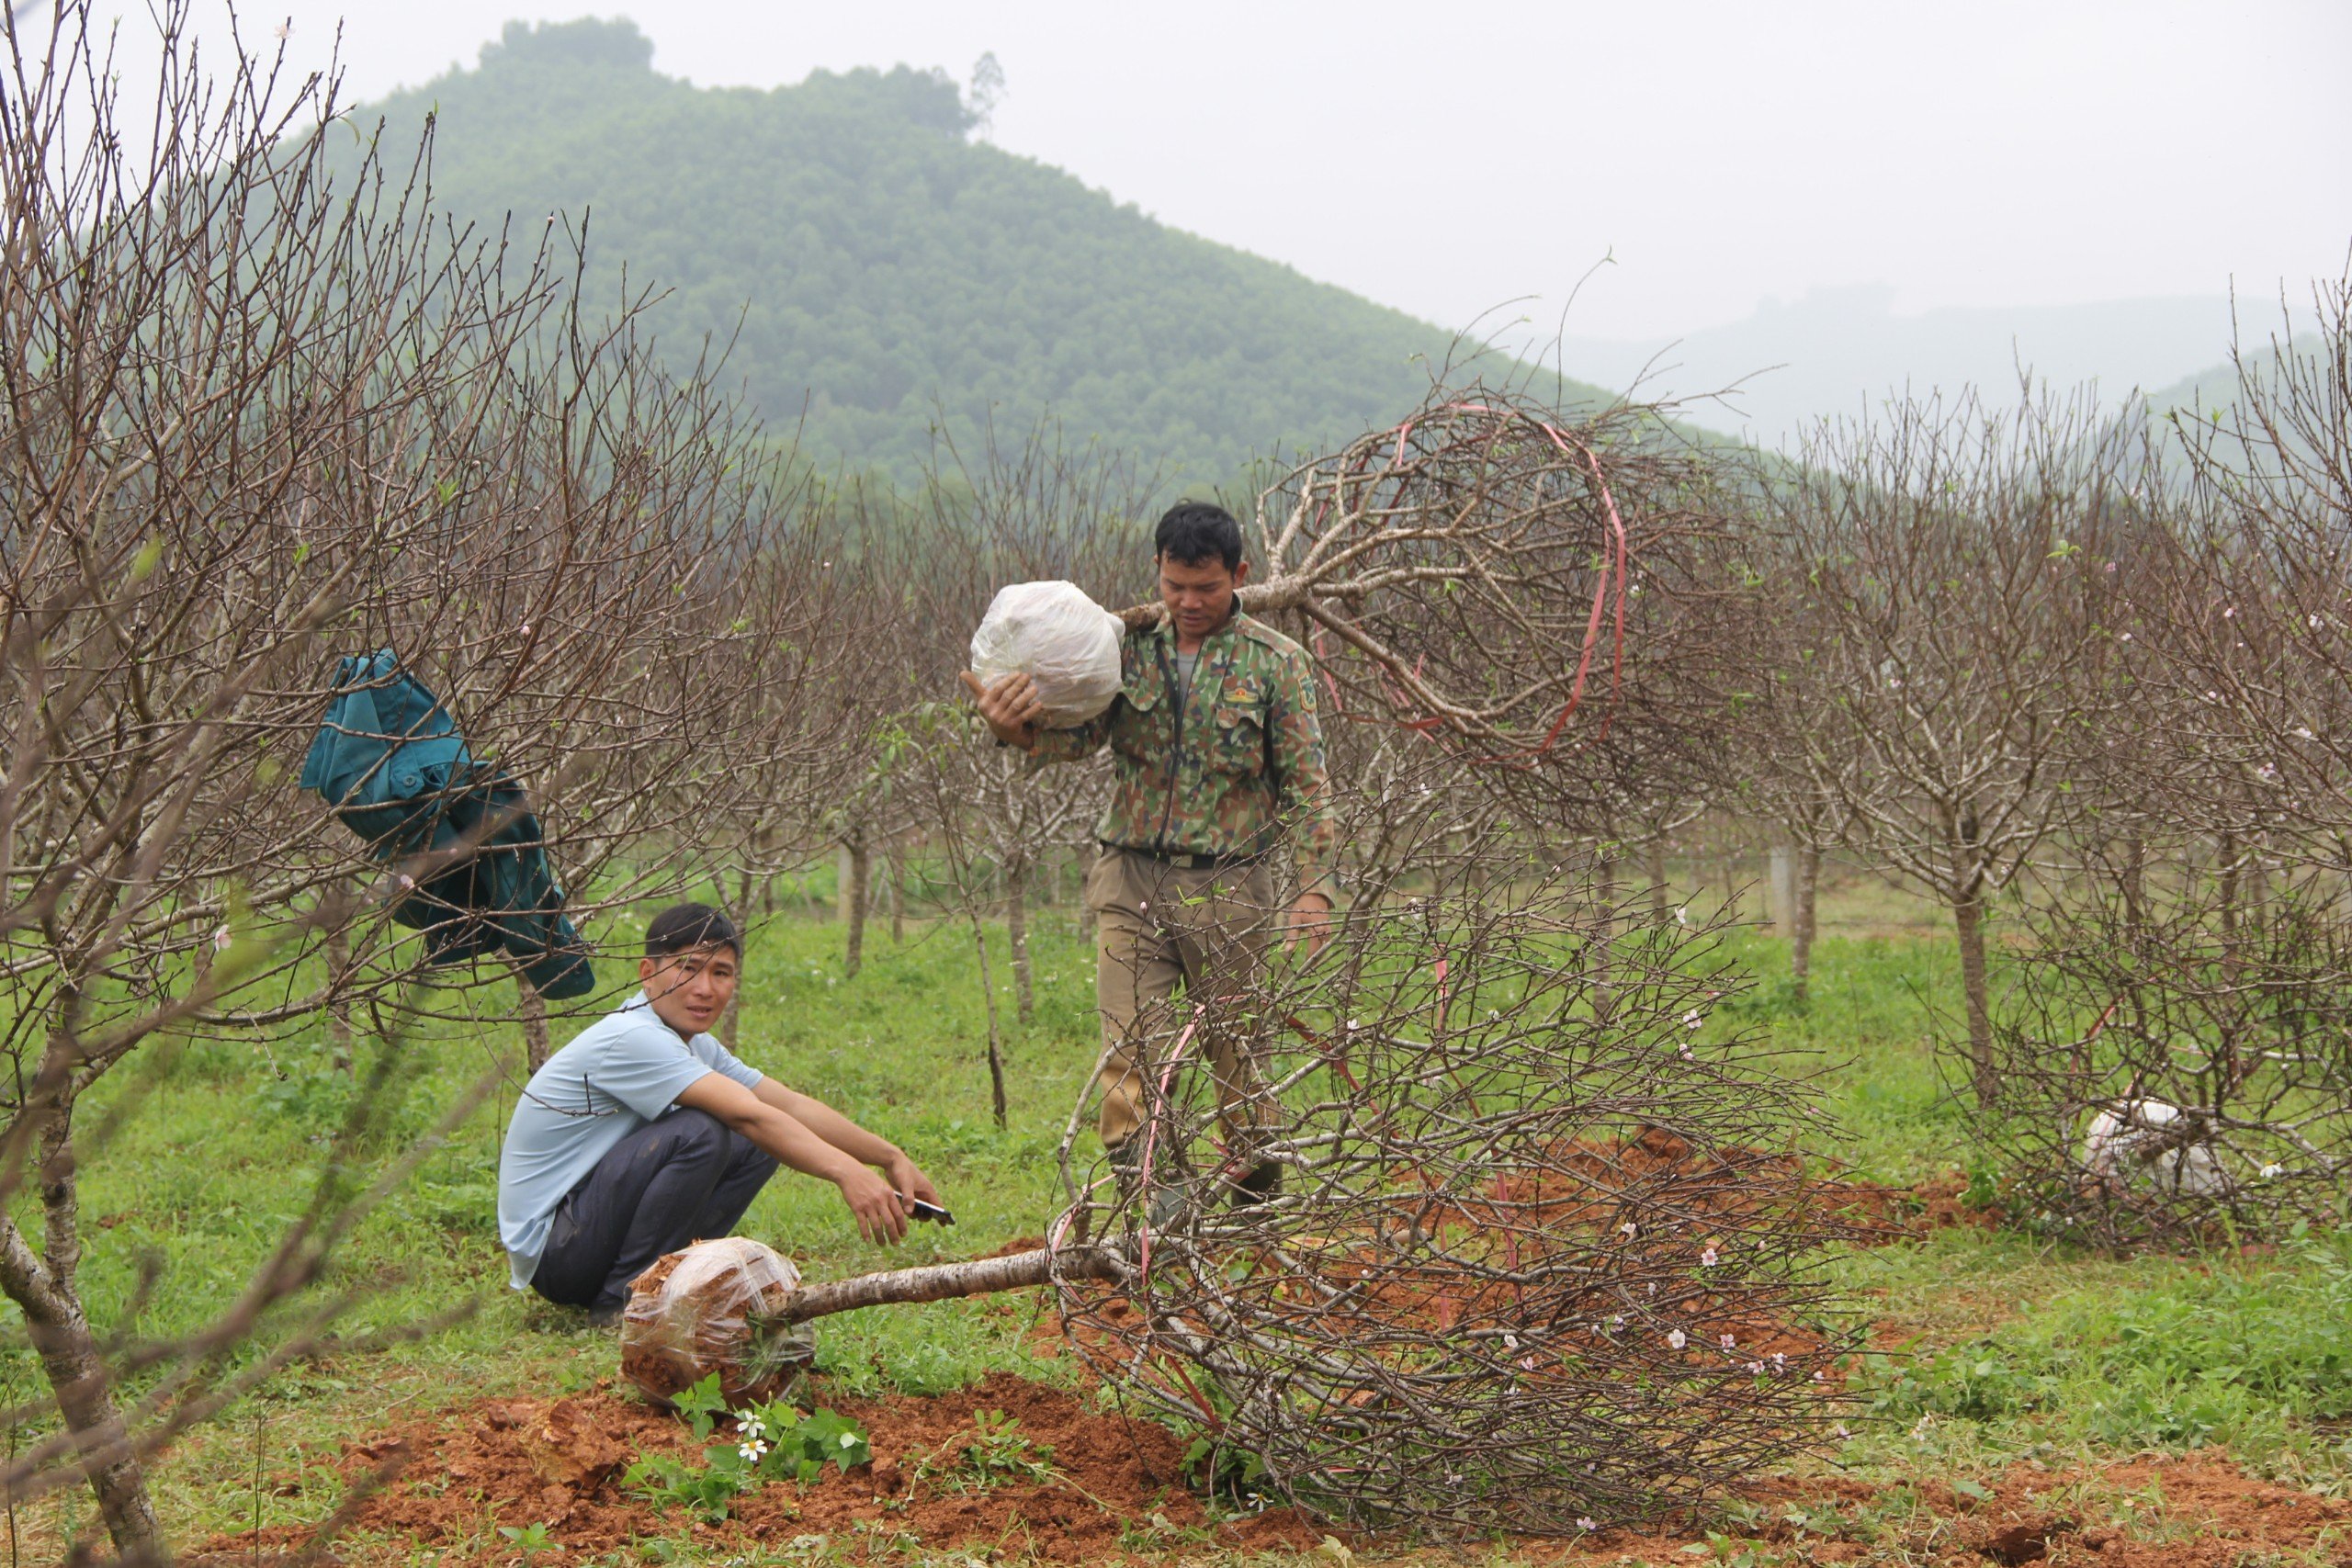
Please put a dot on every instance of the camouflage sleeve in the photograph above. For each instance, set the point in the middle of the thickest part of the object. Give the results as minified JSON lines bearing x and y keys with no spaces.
{"x":1305,"y":778}
{"x":1071,"y":745}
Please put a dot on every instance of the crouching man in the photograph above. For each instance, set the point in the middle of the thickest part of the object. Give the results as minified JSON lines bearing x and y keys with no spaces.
{"x":645,"y":1134}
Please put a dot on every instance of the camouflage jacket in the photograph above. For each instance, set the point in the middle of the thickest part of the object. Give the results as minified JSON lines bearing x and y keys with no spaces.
{"x":1241,"y":764}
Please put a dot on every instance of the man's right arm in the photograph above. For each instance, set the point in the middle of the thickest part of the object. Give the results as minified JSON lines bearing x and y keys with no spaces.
{"x":1015,"y":715}
{"x":774,"y":1132}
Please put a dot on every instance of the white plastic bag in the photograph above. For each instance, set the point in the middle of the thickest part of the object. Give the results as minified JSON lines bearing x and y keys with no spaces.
{"x":1055,"y":634}
{"x":698,"y":1312}
{"x":2135,"y":1146}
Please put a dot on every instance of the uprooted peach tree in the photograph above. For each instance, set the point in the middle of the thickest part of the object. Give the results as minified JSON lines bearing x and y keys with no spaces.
{"x":1546,"y":1258}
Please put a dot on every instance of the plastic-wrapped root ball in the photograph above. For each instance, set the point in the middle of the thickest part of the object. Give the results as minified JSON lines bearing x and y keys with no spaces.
{"x":1059,"y":637}
{"x":700,"y":1311}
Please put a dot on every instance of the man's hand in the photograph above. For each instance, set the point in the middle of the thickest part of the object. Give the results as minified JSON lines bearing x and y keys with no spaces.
{"x":1011,"y":707}
{"x":912,"y":1181}
{"x":881,"y":1218}
{"x":1310,"y":922}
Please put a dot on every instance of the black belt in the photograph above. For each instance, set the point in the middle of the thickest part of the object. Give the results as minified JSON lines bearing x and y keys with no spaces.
{"x":1186,"y":862}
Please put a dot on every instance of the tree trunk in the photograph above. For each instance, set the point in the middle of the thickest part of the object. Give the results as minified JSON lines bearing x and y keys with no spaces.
{"x":730,"y":1021}
{"x":1654,"y":858}
{"x":2135,"y":855}
{"x":339,"y":1037}
{"x":60,"y":1335}
{"x":1808,"y":879}
{"x":857,"y":863}
{"x":941,"y":1281}
{"x":1016,"y":926}
{"x":1968,"y":917}
{"x":996,"y":1043}
{"x":532,"y":1008}
{"x":897,"y":870}
{"x":2226,"y":856}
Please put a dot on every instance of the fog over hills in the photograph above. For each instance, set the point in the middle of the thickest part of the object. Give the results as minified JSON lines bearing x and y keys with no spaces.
{"x":1841,"y":353}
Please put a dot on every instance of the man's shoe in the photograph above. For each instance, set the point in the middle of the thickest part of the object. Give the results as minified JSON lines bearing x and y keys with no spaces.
{"x":607,"y":1316}
{"x":1263,"y":1183}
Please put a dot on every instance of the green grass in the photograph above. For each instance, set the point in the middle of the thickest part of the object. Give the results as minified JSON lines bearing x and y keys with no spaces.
{"x":2007,"y":1348}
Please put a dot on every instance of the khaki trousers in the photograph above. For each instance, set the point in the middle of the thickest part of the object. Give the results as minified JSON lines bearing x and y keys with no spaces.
{"x":1160,"y":927}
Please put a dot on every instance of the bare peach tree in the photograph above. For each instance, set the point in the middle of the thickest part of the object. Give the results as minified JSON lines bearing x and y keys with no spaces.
{"x":261,"y":413}
{"x":2173,"y":1059}
{"x":1948,"y":568}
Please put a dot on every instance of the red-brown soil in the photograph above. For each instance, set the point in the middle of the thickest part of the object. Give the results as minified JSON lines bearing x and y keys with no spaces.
{"x":2197,"y":1512}
{"x":525,"y":1461}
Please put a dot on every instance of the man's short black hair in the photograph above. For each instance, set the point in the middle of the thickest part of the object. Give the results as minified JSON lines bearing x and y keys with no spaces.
{"x":1192,"y":531}
{"x":685,"y":927}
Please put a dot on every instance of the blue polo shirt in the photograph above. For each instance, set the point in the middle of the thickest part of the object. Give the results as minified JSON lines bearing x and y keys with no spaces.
{"x":622,"y":1071}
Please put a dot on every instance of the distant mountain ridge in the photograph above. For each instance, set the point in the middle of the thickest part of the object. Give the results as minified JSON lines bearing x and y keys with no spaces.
{"x":884,"y":269}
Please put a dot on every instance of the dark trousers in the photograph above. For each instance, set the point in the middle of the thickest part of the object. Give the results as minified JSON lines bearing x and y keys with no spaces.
{"x":681,"y":1178}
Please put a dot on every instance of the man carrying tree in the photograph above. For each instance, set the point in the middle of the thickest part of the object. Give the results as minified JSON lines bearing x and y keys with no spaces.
{"x":646,"y":1134}
{"x":1217,"y":757}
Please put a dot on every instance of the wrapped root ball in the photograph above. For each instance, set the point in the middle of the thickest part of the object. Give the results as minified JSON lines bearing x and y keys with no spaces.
{"x":699,"y":1312}
{"x":1055,"y":634}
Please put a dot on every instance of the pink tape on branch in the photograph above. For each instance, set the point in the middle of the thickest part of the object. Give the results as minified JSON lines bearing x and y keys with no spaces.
{"x":1616,"y":571}
{"x":1150,"y":1144}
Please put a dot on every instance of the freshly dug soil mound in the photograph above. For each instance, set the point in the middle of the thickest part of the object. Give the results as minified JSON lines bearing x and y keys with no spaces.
{"x":1113,"y":1482}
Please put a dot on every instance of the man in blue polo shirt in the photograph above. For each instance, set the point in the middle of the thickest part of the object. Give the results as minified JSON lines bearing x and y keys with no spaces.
{"x":645,"y":1134}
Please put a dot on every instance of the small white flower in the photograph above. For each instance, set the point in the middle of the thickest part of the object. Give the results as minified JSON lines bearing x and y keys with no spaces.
{"x":1510,"y":1341}
{"x":1353,"y":1025}
{"x":752,"y":1427}
{"x":1756,"y":1369}
{"x":2267,"y":773}
{"x":1819,"y":1377}
{"x":2272,"y":1171}
{"x":1779,"y":1360}
{"x":1728,"y":1341}
{"x":1585,"y":1524}
{"x":1707,"y":1259}
{"x":2230,"y":613}
{"x":407,"y":881}
{"x":1676,"y":1338}
{"x":1653,"y":1287}
{"x":1688,"y":1054}
{"x":222,"y":939}
{"x":1618,"y":1321}
{"x":1842,"y":1430}
{"x":1527,"y":1363}
{"x":752,"y":1451}
{"x":2212,"y":697}
{"x":2313,"y":620}
{"x":283,"y":31}
{"x":1682,"y":915}
{"x":2303,"y":732}
{"x":1691,"y":1020}
{"x":525,"y":629}
{"x":2125,"y":637}
{"x":1630,"y":1229}
{"x":1925,"y":1429}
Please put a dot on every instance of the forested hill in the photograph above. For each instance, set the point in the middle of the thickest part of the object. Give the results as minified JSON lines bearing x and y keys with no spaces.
{"x":885,"y":266}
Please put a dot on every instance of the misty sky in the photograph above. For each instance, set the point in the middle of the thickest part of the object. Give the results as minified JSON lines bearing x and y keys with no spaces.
{"x":1446,"y":159}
